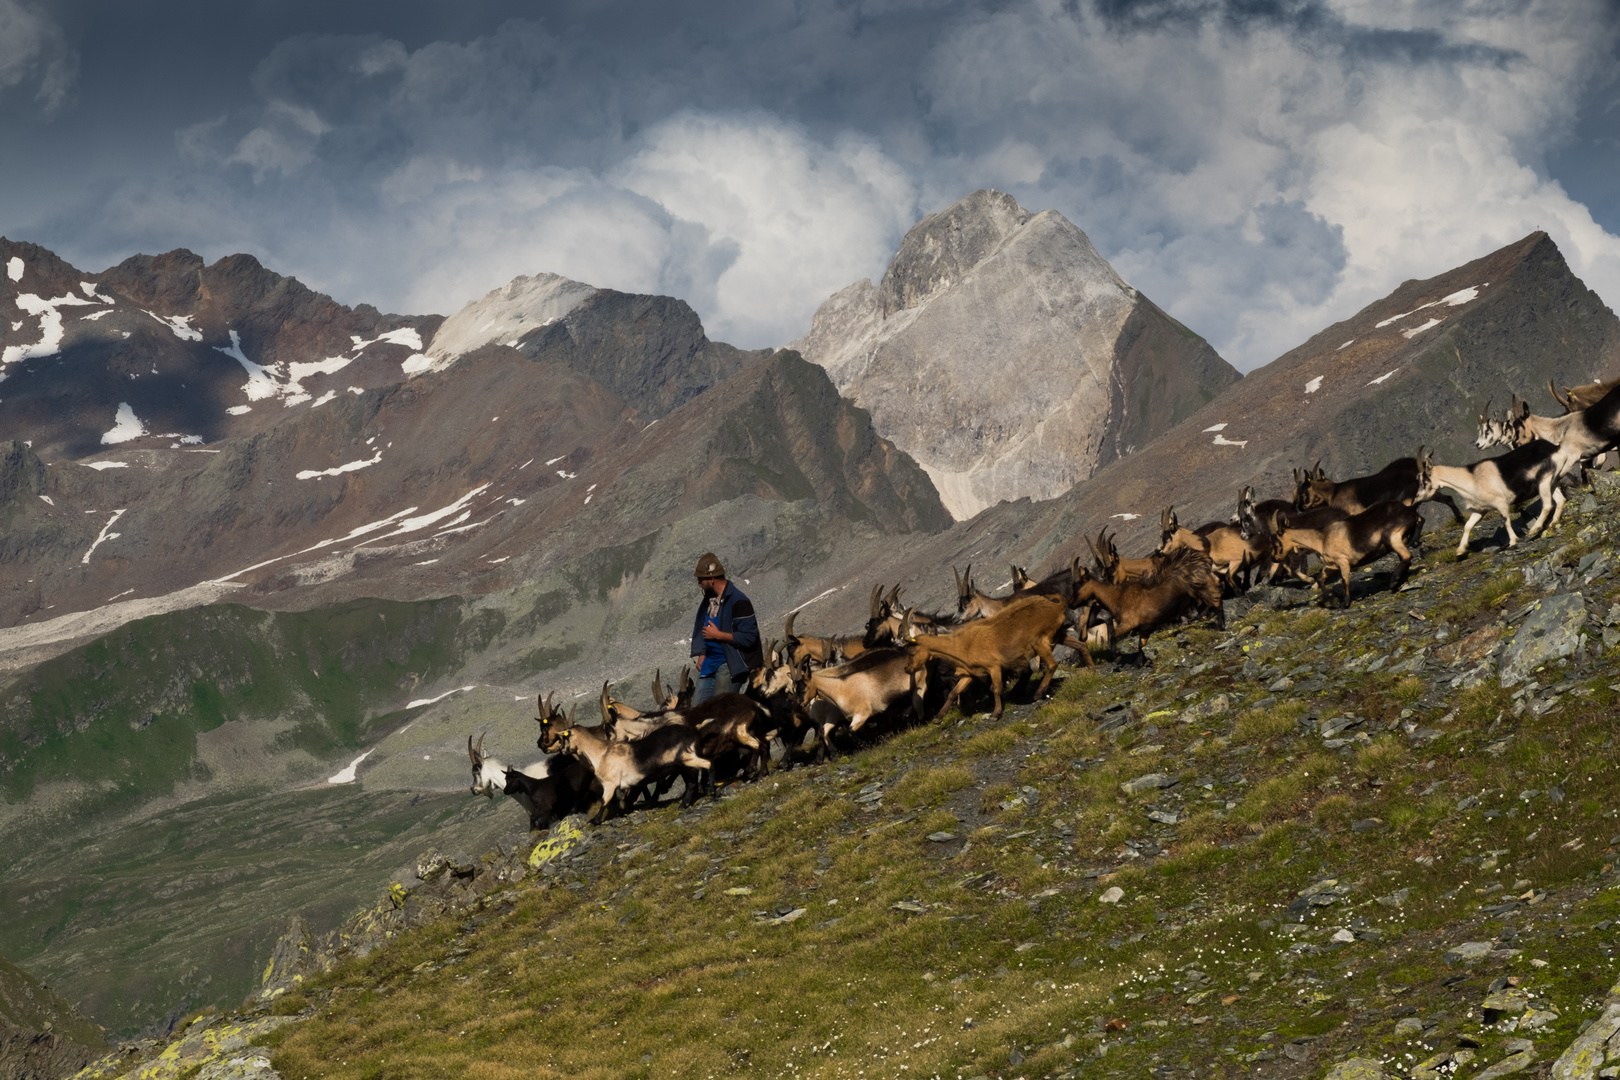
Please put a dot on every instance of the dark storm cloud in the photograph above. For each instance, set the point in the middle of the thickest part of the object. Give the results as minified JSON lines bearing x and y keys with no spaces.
{"x":1257,"y":166}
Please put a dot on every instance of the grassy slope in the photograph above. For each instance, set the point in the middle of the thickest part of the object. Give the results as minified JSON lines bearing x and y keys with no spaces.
{"x":642,"y":960}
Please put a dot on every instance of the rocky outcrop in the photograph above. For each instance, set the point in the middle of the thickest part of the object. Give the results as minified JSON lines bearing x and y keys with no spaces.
{"x":649,"y":350}
{"x":1003,"y":353}
{"x":522,"y":305}
{"x":42,"y":1036}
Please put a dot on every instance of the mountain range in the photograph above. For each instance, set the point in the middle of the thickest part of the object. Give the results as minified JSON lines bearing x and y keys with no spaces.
{"x":252,"y":540}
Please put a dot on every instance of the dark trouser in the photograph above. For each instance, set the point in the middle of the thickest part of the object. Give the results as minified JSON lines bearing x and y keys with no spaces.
{"x":718,"y":683}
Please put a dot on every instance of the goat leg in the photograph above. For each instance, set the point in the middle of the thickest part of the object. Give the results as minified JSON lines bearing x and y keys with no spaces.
{"x":1473,"y":519}
{"x":950,"y":699}
{"x":1048,"y":666}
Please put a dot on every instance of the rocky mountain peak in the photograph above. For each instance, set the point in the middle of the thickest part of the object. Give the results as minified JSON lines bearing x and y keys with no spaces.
{"x":943,"y":247}
{"x":508,"y":313}
{"x":982,"y":288}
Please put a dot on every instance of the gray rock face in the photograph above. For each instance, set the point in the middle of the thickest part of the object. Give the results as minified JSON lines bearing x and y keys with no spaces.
{"x":1551,"y":631}
{"x":1005,"y":354}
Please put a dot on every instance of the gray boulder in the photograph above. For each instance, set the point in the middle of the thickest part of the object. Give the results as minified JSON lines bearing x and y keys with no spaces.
{"x":1552,"y":630}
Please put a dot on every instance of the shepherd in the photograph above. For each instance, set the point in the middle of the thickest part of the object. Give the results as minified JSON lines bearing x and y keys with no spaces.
{"x":725,"y":634}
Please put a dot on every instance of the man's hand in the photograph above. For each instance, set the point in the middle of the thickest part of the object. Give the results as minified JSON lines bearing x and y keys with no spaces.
{"x":714,"y":633}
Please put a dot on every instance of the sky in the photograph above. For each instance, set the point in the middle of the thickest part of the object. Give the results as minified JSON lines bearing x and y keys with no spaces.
{"x":1259,"y":168}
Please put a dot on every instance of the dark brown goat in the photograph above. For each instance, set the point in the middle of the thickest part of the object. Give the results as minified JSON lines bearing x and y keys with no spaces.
{"x":1357,"y":540}
{"x":1185,"y":580}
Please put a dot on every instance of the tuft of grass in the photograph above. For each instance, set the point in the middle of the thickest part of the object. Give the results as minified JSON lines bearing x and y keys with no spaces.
{"x":1384,"y":756}
{"x":1335,"y":811}
{"x":1273,"y":800}
{"x":1264,"y":725}
{"x":927,"y":786}
{"x":991,"y":798}
{"x":1311,"y":622}
{"x":990,"y":743}
{"x":1409,"y":689}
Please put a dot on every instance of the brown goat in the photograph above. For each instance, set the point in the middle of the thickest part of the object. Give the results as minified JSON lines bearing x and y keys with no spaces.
{"x":820,"y":651}
{"x":1024,"y":629}
{"x":1115,"y":570}
{"x":1138,"y":607}
{"x":1172,"y":535}
{"x":1582,"y":397}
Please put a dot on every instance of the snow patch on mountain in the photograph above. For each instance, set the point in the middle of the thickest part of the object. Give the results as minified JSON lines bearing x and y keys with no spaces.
{"x":505,"y":314}
{"x":14,"y":268}
{"x":50,"y":327}
{"x":126,"y":426}
{"x":353,"y":466}
{"x":286,"y":381}
{"x":179,"y":324}
{"x":106,"y":535}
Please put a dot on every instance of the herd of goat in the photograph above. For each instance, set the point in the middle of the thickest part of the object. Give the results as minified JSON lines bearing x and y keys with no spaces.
{"x":832,"y":686}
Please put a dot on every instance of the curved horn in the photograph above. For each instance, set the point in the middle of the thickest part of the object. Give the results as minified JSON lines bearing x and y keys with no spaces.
{"x":606,"y":702}
{"x":1486,"y":415}
{"x":1561,"y":400}
{"x":658,"y":688}
{"x":1165,"y":519}
{"x":471,"y":753}
{"x":877,"y":601}
{"x":686,"y":679}
{"x":894,"y":596}
{"x":787,"y":630}
{"x":481,"y":735}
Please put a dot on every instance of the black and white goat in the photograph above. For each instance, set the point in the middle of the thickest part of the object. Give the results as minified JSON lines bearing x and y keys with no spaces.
{"x":1579,"y":435}
{"x":547,"y":796}
{"x":1528,"y":471}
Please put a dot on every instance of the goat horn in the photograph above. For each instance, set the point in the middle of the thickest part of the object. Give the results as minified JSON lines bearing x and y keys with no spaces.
{"x":658,"y":687}
{"x":1554,"y":391}
{"x":877,"y":600}
{"x":787,"y":631}
{"x":481,"y":744}
{"x":471,"y":753}
{"x":686,"y":678}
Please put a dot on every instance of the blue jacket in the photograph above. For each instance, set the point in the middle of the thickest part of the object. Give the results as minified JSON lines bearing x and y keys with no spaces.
{"x":736,"y":618}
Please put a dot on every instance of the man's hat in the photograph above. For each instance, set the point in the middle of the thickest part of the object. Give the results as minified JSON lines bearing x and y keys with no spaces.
{"x":709,"y":567}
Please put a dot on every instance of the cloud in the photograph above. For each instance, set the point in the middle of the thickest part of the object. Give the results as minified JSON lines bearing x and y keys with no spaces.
{"x":33,"y":50}
{"x":803,"y":219}
{"x":1258,"y":167}
{"x":1262,"y":170}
